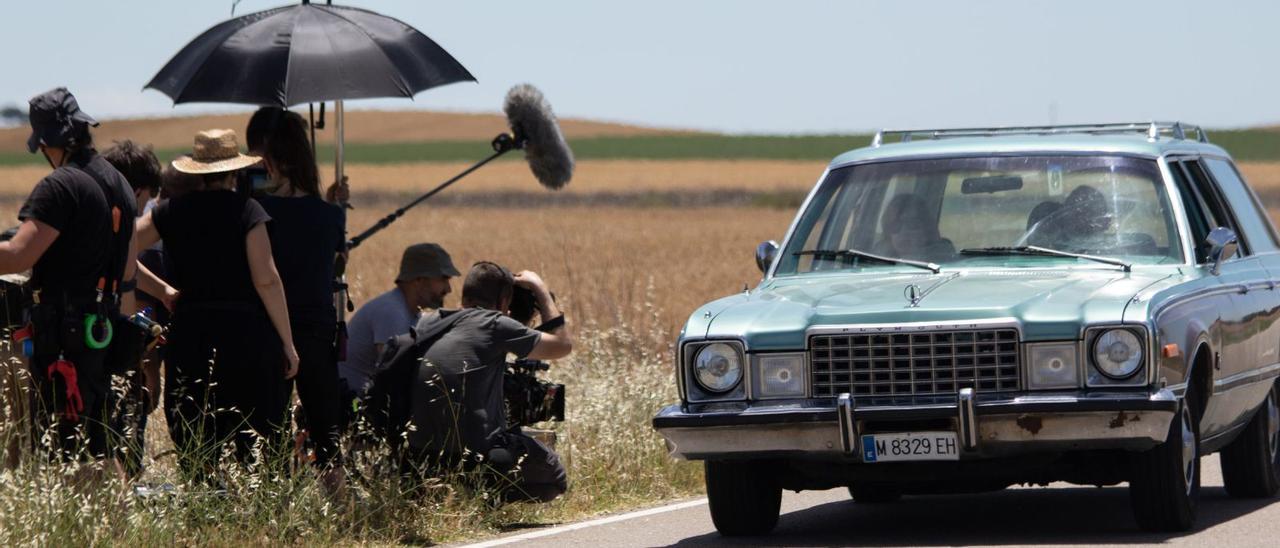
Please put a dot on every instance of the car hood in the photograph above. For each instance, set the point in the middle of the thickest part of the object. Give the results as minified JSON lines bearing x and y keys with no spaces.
{"x":1049,"y":304}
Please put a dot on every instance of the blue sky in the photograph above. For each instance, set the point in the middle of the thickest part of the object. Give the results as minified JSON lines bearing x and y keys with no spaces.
{"x":740,"y":66}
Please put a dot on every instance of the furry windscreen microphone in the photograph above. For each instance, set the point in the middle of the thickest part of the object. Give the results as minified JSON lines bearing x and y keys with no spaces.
{"x":538,"y":133}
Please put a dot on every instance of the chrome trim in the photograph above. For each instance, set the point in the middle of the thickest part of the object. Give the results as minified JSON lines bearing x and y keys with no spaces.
{"x":690,"y":382}
{"x":1138,"y":378}
{"x":1242,"y":378}
{"x":997,"y":435}
{"x":848,"y":426}
{"x":968,"y":419}
{"x":928,"y":362}
{"x":913,"y":327}
{"x":1179,"y":211}
{"x":1153,"y":130}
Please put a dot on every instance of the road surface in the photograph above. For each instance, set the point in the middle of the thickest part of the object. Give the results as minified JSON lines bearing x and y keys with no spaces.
{"x":1057,"y":515}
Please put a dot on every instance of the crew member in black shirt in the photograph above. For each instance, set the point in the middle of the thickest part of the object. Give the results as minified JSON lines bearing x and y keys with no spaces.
{"x":230,"y":344}
{"x":307,"y":234}
{"x":76,"y":234}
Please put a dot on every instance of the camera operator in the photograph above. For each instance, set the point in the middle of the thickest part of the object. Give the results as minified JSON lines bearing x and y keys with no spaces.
{"x":458,"y":403}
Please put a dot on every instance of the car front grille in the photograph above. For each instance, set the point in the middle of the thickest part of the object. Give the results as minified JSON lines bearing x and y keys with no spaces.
{"x":914,"y":364}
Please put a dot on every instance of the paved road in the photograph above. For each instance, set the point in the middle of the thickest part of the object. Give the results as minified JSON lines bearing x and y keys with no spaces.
{"x":1057,"y":515}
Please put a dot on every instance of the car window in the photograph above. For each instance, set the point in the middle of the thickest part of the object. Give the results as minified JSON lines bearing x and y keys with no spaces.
{"x":1244,"y":204}
{"x":1214,"y":204}
{"x":1197,"y":217}
{"x":932,"y":210}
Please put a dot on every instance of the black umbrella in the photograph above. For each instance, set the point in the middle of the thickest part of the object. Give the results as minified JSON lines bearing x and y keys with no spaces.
{"x":307,"y":53}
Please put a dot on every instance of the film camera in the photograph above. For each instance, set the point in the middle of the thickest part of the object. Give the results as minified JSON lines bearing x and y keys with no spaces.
{"x":529,"y":399}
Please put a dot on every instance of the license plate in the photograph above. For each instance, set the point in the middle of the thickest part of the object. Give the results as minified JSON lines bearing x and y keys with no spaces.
{"x":910,"y":446}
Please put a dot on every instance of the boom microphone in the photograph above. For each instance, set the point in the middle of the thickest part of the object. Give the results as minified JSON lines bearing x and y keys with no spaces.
{"x":534,"y":130}
{"x":537,"y":132}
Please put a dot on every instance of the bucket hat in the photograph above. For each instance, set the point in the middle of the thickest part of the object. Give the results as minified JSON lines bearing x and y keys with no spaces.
{"x":425,"y":261}
{"x":56,"y":119}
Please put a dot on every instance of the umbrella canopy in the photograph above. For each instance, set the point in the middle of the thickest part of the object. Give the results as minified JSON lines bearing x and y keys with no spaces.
{"x":307,"y":54}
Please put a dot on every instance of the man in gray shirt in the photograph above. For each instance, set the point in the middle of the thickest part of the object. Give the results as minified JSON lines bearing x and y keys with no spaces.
{"x":457,"y":400}
{"x":424,"y":280}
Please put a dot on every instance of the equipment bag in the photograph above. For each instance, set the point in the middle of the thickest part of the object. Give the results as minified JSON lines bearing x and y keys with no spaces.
{"x":386,"y":402}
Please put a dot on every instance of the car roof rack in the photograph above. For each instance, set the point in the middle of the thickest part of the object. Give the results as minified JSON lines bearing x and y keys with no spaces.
{"x":1153,"y":130}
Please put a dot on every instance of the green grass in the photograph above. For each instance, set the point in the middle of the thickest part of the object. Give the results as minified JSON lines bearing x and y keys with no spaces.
{"x":1244,"y":145}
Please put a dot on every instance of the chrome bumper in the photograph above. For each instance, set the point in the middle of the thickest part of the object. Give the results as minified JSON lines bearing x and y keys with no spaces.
{"x":985,"y":427}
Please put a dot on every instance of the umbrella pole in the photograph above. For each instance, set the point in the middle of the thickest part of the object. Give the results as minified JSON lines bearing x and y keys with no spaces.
{"x":343,"y":302}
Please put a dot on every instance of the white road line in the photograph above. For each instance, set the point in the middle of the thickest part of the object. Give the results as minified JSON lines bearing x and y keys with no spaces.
{"x":583,"y":525}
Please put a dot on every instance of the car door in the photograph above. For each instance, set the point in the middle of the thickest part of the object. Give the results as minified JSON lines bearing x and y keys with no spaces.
{"x":1261,"y":304}
{"x":1233,"y":332}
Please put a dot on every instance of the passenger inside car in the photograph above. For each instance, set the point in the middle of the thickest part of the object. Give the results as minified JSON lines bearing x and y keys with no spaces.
{"x":908,"y":232}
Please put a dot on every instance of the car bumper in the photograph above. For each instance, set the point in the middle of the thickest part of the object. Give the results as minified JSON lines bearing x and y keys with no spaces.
{"x":986,"y":428}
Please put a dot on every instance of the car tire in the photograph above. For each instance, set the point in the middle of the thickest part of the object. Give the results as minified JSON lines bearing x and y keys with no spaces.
{"x":874,"y":494}
{"x":1251,"y":463}
{"x":744,"y":497}
{"x":1164,"y":482}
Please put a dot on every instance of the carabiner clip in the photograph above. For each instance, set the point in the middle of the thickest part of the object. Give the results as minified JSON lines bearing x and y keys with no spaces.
{"x":91,"y":323}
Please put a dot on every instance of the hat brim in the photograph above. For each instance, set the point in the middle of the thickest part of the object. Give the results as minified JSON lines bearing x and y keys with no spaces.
{"x":187,"y":164}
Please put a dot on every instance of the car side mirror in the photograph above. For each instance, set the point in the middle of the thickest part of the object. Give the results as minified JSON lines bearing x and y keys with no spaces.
{"x":1222,"y":245}
{"x":765,"y":253}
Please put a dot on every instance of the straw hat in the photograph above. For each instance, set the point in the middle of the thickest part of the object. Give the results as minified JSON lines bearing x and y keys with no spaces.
{"x":215,"y":151}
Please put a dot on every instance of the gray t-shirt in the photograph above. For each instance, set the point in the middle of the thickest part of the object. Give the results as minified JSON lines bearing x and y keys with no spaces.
{"x":386,"y":316}
{"x":458,"y":394}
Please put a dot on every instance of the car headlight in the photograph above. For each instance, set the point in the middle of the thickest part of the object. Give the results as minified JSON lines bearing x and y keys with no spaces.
{"x":1117,"y":353}
{"x":718,"y":367}
{"x":1053,"y":366}
{"x":780,"y":376}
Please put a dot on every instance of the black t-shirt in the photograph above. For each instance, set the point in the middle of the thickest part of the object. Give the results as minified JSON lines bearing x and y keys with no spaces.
{"x":74,"y":203}
{"x":460,"y":381}
{"x":204,"y":242}
{"x":306,"y":234}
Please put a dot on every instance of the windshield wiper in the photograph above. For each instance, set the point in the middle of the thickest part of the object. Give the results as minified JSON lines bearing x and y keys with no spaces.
{"x":1044,"y":252}
{"x":871,"y":257}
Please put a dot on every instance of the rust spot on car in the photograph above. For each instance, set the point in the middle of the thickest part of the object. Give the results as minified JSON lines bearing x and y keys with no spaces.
{"x":1030,"y":424}
{"x":1120,"y":419}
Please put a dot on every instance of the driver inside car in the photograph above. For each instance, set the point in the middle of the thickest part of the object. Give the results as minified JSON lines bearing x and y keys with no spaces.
{"x":908,"y":232}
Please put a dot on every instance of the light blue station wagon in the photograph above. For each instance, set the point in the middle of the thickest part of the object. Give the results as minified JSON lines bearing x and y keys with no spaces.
{"x":964,"y":310}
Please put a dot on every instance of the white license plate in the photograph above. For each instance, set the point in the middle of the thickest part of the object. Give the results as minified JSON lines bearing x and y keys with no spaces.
{"x":910,"y":446}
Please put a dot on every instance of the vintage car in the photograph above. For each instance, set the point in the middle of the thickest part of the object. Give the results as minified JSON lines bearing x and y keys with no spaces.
{"x":964,"y":310}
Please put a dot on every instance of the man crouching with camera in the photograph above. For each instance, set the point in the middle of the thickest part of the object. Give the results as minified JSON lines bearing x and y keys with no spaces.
{"x":458,"y":403}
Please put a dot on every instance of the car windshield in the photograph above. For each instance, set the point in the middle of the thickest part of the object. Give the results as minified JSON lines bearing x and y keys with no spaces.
{"x":1005,"y":211}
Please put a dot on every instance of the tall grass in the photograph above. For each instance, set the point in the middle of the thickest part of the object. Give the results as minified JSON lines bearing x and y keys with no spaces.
{"x":616,"y":380}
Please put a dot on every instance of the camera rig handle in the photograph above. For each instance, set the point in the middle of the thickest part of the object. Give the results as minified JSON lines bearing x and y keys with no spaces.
{"x":501,"y":144}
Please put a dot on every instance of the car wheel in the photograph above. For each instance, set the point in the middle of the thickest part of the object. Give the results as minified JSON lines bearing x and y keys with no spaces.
{"x":1251,"y":463}
{"x":1164,"y":482}
{"x":744,"y":497}
{"x":873,"y":494}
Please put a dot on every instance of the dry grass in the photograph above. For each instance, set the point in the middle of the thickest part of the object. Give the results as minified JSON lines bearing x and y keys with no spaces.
{"x":627,"y":278}
{"x":362,"y":126}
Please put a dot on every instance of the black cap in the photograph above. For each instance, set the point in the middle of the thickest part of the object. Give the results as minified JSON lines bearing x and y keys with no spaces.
{"x":56,"y":119}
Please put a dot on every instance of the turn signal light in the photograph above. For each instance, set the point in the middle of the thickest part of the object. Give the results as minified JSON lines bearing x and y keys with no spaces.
{"x":1171,"y":351}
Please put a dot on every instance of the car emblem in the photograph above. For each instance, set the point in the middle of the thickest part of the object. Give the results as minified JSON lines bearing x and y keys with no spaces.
{"x":913,"y":294}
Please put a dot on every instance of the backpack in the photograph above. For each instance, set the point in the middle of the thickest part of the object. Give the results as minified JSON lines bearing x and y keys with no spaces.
{"x":386,"y":404}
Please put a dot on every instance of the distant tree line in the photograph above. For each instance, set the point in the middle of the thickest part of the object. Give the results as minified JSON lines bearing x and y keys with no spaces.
{"x":13,"y":115}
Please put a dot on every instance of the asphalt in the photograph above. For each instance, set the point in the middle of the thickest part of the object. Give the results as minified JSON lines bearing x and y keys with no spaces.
{"x":1058,"y":515}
